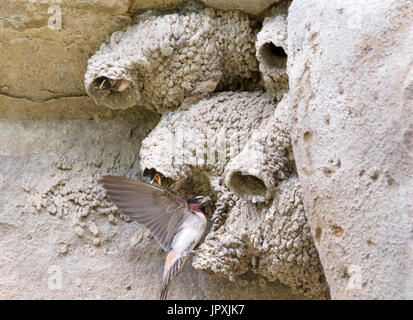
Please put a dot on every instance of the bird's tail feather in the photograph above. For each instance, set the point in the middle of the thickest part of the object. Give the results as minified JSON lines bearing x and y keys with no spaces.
{"x":173,"y":264}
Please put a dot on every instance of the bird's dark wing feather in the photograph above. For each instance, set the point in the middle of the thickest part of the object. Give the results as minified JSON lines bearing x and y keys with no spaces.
{"x":160,"y":211}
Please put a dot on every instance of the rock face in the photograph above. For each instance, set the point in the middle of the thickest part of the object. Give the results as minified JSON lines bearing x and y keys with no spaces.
{"x":40,"y":63}
{"x":295,"y":117}
{"x":251,"y":7}
{"x":240,"y":134}
{"x":351,"y":80}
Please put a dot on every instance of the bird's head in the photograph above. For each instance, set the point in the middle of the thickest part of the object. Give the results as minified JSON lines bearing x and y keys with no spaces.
{"x":198,"y":203}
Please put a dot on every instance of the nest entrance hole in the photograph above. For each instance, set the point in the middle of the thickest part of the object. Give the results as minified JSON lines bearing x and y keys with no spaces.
{"x":248,"y":187}
{"x":273,"y":56}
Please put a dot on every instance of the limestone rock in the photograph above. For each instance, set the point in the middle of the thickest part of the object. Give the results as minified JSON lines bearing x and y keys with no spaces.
{"x":351,"y":80}
{"x":40,"y":63}
{"x":252,"y":7}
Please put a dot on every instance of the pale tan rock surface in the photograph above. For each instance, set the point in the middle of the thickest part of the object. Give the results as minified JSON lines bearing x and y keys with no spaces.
{"x":351,"y":80}
{"x":339,"y":202}
{"x":40,"y":63}
{"x":252,"y":7}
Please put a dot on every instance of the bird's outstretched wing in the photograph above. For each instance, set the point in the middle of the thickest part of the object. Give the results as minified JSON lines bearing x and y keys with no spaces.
{"x":160,"y":211}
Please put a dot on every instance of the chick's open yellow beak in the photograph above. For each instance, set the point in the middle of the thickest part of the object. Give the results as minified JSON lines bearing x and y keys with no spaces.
{"x":157,"y":178}
{"x":101,"y":85}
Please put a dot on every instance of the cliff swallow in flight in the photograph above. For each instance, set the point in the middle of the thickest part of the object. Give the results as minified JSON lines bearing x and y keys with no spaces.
{"x":177,"y":225}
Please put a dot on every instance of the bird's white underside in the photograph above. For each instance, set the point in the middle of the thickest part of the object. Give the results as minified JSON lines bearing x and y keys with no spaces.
{"x":186,"y":239}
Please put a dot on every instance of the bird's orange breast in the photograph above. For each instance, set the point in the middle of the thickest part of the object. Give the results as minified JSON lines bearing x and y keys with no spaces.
{"x":170,"y":258}
{"x":194,"y":207}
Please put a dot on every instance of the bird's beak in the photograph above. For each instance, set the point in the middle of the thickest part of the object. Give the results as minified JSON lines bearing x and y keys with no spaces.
{"x":205,"y":200}
{"x":121,"y":85}
{"x":157,"y":178}
{"x":102,"y":83}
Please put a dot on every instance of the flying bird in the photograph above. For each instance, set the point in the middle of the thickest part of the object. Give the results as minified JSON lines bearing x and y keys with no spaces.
{"x":177,"y":225}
